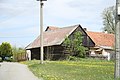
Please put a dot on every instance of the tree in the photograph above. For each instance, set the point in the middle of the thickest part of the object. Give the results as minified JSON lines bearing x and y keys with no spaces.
{"x":108,"y":16}
{"x":74,"y":45}
{"x":18,"y":53}
{"x":5,"y":50}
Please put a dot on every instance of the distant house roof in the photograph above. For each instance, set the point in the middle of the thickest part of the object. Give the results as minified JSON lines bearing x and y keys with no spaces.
{"x":102,"y":39}
{"x":54,"y":37}
{"x":51,"y":28}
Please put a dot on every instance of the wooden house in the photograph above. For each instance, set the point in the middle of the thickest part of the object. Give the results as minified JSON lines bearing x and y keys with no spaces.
{"x":53,"y":40}
{"x":100,"y":44}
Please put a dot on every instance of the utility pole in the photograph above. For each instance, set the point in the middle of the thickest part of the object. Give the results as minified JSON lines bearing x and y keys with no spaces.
{"x":117,"y":41}
{"x":41,"y":31}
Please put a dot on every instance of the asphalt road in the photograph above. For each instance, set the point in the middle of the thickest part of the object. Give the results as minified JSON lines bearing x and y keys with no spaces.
{"x":15,"y":71}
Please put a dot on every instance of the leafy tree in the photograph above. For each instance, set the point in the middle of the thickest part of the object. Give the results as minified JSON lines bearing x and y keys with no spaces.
{"x":67,"y":45}
{"x":108,"y":16}
{"x":5,"y":50}
{"x":74,"y":45}
{"x":18,"y":53}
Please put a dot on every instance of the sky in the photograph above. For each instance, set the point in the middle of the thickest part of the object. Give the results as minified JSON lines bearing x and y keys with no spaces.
{"x":20,"y":19}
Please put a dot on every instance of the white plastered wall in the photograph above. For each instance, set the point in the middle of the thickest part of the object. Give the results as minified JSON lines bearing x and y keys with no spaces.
{"x":28,"y":54}
{"x":106,"y":54}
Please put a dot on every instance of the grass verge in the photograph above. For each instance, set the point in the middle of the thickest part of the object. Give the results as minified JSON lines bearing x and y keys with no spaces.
{"x":73,"y":70}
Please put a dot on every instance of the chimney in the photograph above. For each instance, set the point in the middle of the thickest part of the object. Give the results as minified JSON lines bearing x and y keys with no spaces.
{"x":105,"y":32}
{"x":85,"y":29}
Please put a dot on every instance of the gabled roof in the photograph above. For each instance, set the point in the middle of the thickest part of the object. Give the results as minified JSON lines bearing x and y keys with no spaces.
{"x":54,"y":37}
{"x":102,"y":39}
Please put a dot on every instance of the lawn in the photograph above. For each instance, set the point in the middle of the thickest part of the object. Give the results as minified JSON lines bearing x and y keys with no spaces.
{"x":73,"y":70}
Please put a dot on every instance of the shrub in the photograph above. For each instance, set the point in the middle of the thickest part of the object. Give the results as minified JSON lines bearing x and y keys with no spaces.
{"x":5,"y":50}
{"x":0,"y":59}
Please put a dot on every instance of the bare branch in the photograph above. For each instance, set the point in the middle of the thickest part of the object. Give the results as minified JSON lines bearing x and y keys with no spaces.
{"x":109,"y":19}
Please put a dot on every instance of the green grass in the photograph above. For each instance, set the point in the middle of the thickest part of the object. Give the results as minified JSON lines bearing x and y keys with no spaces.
{"x":73,"y":70}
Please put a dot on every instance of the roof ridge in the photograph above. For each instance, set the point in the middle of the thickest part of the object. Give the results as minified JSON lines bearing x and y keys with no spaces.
{"x":64,"y":26}
{"x":71,"y":26}
{"x":61,"y":28}
{"x":53,"y":26}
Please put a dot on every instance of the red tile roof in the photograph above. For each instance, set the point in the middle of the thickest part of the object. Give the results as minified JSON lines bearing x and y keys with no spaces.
{"x":102,"y":39}
{"x":55,"y":37}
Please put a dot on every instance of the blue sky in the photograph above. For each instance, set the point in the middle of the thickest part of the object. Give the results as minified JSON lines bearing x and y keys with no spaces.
{"x":19,"y":19}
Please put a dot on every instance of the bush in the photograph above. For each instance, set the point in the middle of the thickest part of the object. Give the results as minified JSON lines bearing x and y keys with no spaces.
{"x":5,"y":50}
{"x":0,"y":59}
